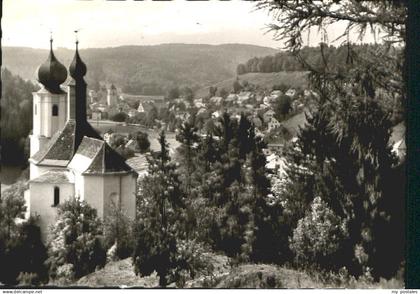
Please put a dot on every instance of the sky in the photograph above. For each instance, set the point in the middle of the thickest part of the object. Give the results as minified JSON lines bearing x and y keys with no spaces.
{"x":104,"y":23}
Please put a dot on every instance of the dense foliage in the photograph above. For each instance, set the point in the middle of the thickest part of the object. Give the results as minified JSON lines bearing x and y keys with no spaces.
{"x":160,"y":227}
{"x":75,"y":248}
{"x":16,"y":118}
{"x":342,"y":162}
{"x":21,"y":248}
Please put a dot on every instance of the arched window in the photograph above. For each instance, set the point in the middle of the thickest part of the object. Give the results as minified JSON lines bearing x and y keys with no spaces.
{"x":56,"y":196}
{"x":55,"y":110}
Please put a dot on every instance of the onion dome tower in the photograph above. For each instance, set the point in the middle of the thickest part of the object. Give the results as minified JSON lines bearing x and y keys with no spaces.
{"x":51,"y":74}
{"x":77,"y":67}
{"x":49,"y":103}
{"x":77,"y":99}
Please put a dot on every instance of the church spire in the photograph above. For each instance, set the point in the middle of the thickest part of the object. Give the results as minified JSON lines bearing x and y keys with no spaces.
{"x":77,"y":68}
{"x":77,"y":96}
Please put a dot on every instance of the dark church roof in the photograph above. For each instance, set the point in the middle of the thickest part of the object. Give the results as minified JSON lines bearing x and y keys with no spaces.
{"x":108,"y":161}
{"x":77,"y":67}
{"x":61,"y":145}
{"x":103,"y":158}
{"x":52,"y":73}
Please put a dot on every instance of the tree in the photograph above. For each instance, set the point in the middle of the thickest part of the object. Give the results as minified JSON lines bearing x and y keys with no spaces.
{"x":16,"y":116}
{"x":118,"y":232}
{"x":21,"y":247}
{"x":173,"y":93}
{"x":120,"y":117}
{"x":318,"y":236}
{"x":283,"y":106}
{"x":212,"y":91}
{"x":188,"y":137}
{"x":76,"y":240}
{"x":30,"y":254}
{"x":143,"y":142}
{"x":237,"y":87}
{"x":160,"y":224}
{"x":223,"y":93}
{"x":188,"y":94}
{"x":240,"y":69}
{"x":350,"y":123}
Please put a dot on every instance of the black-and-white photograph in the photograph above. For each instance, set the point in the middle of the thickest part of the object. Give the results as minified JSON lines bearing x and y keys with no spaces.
{"x":204,"y":144}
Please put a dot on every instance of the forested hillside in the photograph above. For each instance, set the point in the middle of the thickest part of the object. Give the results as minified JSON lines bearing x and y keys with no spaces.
{"x":16,"y":117}
{"x":144,"y":69}
{"x":336,"y":57}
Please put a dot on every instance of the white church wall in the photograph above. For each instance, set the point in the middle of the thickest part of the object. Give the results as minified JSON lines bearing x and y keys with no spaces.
{"x":112,"y":192}
{"x":41,"y":202}
{"x":45,"y":124}
{"x":128,"y":195}
{"x":92,"y":192}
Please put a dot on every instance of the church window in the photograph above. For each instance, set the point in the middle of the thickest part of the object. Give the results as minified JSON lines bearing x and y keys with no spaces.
{"x":55,"y":110}
{"x":56,"y":196}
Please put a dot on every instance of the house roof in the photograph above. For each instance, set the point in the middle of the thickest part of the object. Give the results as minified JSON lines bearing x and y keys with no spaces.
{"x":138,"y":163}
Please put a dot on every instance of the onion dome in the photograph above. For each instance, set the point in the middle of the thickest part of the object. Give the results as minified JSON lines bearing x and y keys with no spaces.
{"x":52,"y":73}
{"x":77,"y":67}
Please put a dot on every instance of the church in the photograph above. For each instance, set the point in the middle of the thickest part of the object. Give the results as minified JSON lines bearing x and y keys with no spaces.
{"x":68,"y":158}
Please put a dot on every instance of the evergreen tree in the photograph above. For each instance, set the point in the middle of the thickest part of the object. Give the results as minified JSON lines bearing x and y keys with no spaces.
{"x":161,"y":220}
{"x":188,"y":138}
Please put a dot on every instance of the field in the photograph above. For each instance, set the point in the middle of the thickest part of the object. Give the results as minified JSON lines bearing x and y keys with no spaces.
{"x":264,"y":80}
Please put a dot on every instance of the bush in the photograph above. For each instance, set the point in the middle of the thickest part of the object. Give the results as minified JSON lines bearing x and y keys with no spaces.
{"x":318,"y":236}
{"x":76,"y":240}
{"x":120,"y":117}
{"x":118,"y":234}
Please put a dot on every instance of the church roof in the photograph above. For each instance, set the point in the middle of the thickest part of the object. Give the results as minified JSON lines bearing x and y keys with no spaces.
{"x":61,"y":146}
{"x":52,"y":73}
{"x":52,"y":177}
{"x":95,"y":156}
{"x":107,"y":161}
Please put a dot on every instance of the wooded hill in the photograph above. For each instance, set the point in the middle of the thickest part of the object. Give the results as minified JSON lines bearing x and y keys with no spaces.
{"x":144,"y":69}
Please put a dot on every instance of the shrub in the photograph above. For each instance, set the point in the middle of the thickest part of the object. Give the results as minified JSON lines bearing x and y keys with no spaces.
{"x":118,"y":233}
{"x":76,"y":240}
{"x":120,"y":117}
{"x":318,"y":236}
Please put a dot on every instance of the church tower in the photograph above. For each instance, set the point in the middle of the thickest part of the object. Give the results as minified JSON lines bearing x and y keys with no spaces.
{"x":49,"y":103}
{"x":111,"y":98}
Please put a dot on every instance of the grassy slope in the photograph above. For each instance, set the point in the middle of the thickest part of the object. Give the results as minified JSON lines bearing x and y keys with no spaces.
{"x":120,"y":273}
{"x":264,"y":80}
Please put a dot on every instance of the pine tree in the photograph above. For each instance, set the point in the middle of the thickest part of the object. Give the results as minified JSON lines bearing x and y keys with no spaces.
{"x":161,"y":222}
{"x":188,"y":138}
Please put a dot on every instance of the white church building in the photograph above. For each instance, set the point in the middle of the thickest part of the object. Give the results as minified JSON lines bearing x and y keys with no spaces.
{"x":68,"y":158}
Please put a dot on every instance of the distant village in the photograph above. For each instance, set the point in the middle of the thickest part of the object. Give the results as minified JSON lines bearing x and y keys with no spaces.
{"x":154,"y":113}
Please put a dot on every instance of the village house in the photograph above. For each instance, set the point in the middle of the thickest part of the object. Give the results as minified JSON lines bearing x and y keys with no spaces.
{"x":198,"y":103}
{"x":216,"y":100}
{"x":291,"y":92}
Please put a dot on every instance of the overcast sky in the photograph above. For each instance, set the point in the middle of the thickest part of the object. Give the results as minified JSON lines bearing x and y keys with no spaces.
{"x":114,"y":23}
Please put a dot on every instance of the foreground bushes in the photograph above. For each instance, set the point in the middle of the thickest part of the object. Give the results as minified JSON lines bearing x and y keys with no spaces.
{"x":76,"y":247}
